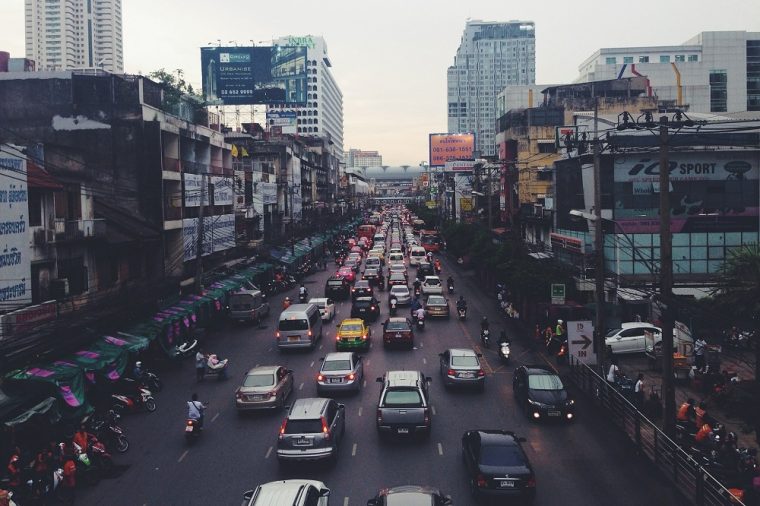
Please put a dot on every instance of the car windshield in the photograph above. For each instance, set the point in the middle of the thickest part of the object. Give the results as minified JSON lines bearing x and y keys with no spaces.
{"x":397,"y":276}
{"x":613,"y":332}
{"x":436,"y":301}
{"x":544,"y":382}
{"x":351,"y":327}
{"x":303,"y":426}
{"x":294,"y":324}
{"x":409,"y":499}
{"x":337,"y":282}
{"x":397,"y":326}
{"x":402,"y":398}
{"x":464,"y":361}
{"x":336,"y":365}
{"x":501,"y":456}
{"x":259,"y":380}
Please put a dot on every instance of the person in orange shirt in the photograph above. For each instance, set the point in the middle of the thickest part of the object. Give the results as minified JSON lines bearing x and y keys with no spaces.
{"x":701,"y":413}
{"x":703,"y":434}
{"x":81,"y":438}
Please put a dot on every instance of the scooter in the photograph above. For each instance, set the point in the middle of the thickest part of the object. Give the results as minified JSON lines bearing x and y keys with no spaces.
{"x":462,"y":312}
{"x":485,"y":337}
{"x":217,"y":367}
{"x":303,"y":297}
{"x":450,"y":286}
{"x":96,"y":464}
{"x":134,"y":402}
{"x":420,"y":321}
{"x":504,"y":351}
{"x":151,"y":381}
{"x":193,"y":430}
{"x":106,"y":429}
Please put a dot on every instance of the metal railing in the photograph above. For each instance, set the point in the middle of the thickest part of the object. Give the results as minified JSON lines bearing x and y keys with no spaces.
{"x":697,"y":485}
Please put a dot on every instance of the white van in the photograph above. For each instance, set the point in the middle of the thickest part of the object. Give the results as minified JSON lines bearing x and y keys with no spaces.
{"x":417,"y":255}
{"x":300,"y":326}
{"x":248,"y":305}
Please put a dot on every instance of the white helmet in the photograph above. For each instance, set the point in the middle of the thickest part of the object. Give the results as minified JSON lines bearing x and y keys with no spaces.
{"x":560,"y":322}
{"x":138,"y":364}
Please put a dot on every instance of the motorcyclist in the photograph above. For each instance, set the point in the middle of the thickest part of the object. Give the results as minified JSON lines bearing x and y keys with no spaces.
{"x":302,"y":292}
{"x":415,"y":305}
{"x":450,"y":282}
{"x":419,"y":314}
{"x":484,"y":324}
{"x":429,"y":256}
{"x":503,"y":337}
{"x":137,"y":372}
{"x":461,"y":303}
{"x":286,"y":303}
{"x":437,"y":265}
{"x":417,"y":284}
{"x":195,"y":409}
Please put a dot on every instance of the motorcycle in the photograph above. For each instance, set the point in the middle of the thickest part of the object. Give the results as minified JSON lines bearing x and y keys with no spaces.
{"x":193,"y":430}
{"x":216,"y":367}
{"x":134,"y":402}
{"x":417,"y":291}
{"x":562,"y":354}
{"x":504,"y":351}
{"x":462,"y":312}
{"x":187,"y":348}
{"x":106,"y":428}
{"x":393,"y":307}
{"x":738,"y":340}
{"x":420,"y":322}
{"x":93,"y":465}
{"x":450,"y":287}
{"x":303,"y":297}
{"x":150,"y":381}
{"x":485,"y":337}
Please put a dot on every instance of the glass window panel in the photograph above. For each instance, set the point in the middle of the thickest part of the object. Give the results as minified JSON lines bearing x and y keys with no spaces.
{"x":678,"y":239}
{"x":681,"y":253}
{"x":714,"y":265}
{"x":641,"y":268}
{"x":749,"y":237}
{"x":715,"y":252}
{"x":624,"y":253}
{"x":733,"y":238}
{"x":699,"y":252}
{"x":715,"y":239}
{"x":699,"y":239}
{"x":626,"y":267}
{"x":699,"y":267}
{"x":642,"y":239}
{"x":681,"y":267}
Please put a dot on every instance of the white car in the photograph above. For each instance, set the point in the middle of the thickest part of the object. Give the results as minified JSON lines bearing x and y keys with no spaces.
{"x":326,"y":308}
{"x":432,"y":286}
{"x":631,"y":337}
{"x":402,"y":294}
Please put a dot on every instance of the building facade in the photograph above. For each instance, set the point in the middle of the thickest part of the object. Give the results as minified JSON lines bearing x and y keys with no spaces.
{"x":360,"y":158}
{"x":322,"y":116}
{"x":71,"y":34}
{"x":712,"y":72}
{"x":490,"y":57}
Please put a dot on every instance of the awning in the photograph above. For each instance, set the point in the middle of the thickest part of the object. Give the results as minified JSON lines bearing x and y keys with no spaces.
{"x":36,"y":177}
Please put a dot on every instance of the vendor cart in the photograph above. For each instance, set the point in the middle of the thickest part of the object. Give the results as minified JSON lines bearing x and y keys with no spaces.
{"x":712,"y":357}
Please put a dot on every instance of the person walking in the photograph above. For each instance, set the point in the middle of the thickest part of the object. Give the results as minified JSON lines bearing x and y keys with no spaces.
{"x":614,"y":372}
{"x":700,"y":346}
{"x":638,"y":390}
{"x":200,"y":365}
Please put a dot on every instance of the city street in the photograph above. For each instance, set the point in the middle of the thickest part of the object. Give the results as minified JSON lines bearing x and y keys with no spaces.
{"x":584,"y":461}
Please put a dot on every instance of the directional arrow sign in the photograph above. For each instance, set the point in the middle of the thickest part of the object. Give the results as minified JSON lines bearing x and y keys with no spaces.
{"x":584,"y":340}
{"x":579,"y":337}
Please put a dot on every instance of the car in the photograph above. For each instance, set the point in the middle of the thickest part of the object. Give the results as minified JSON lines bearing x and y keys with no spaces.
{"x":326,"y":308}
{"x":340,"y":372}
{"x":425,"y":268}
{"x":497,"y":467}
{"x":372,"y":275}
{"x":338,"y":287}
{"x":372,"y":262}
{"x":353,"y":264}
{"x":640,"y":337}
{"x":404,"y":404}
{"x":432,"y":285}
{"x":410,"y":495}
{"x":398,"y":331}
{"x":264,"y":387}
{"x":353,"y":333}
{"x":366,"y":308}
{"x":437,"y":305}
{"x":312,"y":430}
{"x":397,"y":278}
{"x":290,"y":492}
{"x":362,"y":288}
{"x":402,"y":294}
{"x":347,"y":272}
{"x":541,"y":393}
{"x":462,"y":367}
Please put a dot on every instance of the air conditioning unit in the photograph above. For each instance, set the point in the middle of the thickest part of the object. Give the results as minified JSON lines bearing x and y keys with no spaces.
{"x":59,"y":288}
{"x":44,"y":236}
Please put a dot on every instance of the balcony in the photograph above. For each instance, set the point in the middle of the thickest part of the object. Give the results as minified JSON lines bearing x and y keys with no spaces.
{"x":73,"y":230}
{"x":171,"y":164}
{"x":195,"y":167}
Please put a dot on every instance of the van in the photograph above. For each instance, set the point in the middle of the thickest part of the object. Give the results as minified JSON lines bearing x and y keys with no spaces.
{"x":248,"y":306}
{"x":300,"y":326}
{"x":417,"y":255}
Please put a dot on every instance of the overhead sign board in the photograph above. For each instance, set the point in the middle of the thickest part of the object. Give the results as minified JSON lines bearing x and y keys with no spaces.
{"x":580,"y":341}
{"x":558,"y":293}
{"x":448,"y":147}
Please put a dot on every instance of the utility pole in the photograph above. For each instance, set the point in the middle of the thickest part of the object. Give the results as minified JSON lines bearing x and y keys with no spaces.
{"x":599,"y":325}
{"x":199,"y":244}
{"x":666,"y":283}
{"x":490,"y":206}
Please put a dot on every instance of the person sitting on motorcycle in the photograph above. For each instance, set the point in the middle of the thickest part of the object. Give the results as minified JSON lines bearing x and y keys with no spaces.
{"x":437,"y":265}
{"x":461,"y":303}
{"x":415,"y":304}
{"x":686,"y":413}
{"x":286,"y":303}
{"x":137,"y":372}
{"x":215,"y":363}
{"x":393,"y":302}
{"x":703,"y":434}
{"x":195,"y":409}
{"x":503,"y":337}
{"x":417,"y":284}
{"x":484,"y":324}
{"x":302,"y":291}
{"x":419,"y":313}
{"x":450,"y":282}
{"x":82,"y":438}
{"x":429,"y":256}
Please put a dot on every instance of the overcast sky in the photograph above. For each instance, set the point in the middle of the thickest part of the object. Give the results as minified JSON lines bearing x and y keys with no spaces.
{"x":390,"y":58}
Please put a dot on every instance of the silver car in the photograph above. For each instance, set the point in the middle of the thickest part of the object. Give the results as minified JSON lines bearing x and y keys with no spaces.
{"x":264,"y":387}
{"x":340,"y":372}
{"x":461,"y":367}
{"x":402,"y":294}
{"x":313,"y":430}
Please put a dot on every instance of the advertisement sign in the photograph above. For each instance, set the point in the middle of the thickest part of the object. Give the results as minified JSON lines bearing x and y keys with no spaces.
{"x":223,"y":232}
{"x":285,"y":122}
{"x":447,"y":147}
{"x":459,"y":165}
{"x":26,"y":319}
{"x":223,"y":190}
{"x":192,"y":192}
{"x":218,"y":235}
{"x":15,"y":251}
{"x":254,"y":75}
{"x":709,"y":191}
{"x":580,"y":341}
{"x":465,"y":204}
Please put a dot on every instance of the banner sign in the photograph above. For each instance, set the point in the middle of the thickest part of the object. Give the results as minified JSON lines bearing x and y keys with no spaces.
{"x":218,"y":235}
{"x":15,"y":244}
{"x":447,"y":147}
{"x":223,"y":190}
{"x":193,"y":190}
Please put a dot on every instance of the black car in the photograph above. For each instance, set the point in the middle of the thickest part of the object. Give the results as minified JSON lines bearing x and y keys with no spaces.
{"x":497,"y":466}
{"x":362,"y":288}
{"x":397,"y":278}
{"x":366,"y":308}
{"x":541,"y":393}
{"x":337,"y":287}
{"x":410,"y":495}
{"x":425,"y":269}
{"x":372,"y":275}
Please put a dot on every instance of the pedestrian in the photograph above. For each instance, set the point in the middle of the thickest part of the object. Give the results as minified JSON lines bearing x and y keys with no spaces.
{"x":638,"y":390}
{"x":614,"y":371}
{"x":69,"y":482}
{"x":200,"y":365}
{"x":700,"y":346}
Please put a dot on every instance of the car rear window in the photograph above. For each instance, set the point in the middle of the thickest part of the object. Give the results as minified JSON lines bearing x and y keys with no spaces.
{"x":401,"y":398}
{"x":436,"y":301}
{"x":544,"y":382}
{"x":351,"y":327}
{"x":303,"y":426}
{"x":418,"y":253}
{"x":259,"y":380}
{"x":408,"y":499}
{"x":501,"y":456}
{"x":400,"y":290}
{"x":336,"y":365}
{"x":397,"y":326}
{"x":464,"y":361}
{"x":287,"y":325}
{"x":336,"y":282}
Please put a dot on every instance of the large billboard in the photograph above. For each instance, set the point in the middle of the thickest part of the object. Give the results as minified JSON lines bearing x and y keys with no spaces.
{"x":284,"y":121}
{"x":15,"y":257}
{"x":254,"y":75}
{"x":448,"y":147}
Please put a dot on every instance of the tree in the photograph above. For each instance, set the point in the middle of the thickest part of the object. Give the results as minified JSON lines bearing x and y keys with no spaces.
{"x":175,"y":87}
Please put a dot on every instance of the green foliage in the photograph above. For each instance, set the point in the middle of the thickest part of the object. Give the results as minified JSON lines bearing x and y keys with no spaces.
{"x":740,"y":284}
{"x":175,"y":87}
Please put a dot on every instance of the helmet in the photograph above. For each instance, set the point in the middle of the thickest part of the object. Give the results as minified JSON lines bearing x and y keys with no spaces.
{"x":138,"y":364}
{"x":560,"y":322}
{"x":287,"y":298}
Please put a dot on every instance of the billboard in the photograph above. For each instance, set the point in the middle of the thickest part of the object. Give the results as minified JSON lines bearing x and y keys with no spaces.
{"x":254,"y":75}
{"x":447,"y":147}
{"x":218,"y":235}
{"x":16,"y":254}
{"x":286,"y":121}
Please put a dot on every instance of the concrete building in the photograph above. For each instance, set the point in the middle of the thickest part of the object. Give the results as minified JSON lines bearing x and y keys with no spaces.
{"x":322,"y":116}
{"x":490,"y":57}
{"x":74,"y":34}
{"x":712,"y":72}
{"x":360,"y":158}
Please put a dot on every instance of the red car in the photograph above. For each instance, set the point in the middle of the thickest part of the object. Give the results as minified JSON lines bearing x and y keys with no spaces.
{"x":398,"y":330}
{"x":348,"y":273}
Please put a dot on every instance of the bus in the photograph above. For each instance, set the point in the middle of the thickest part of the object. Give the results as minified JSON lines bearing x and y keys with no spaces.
{"x":431,"y":240}
{"x":367,"y":231}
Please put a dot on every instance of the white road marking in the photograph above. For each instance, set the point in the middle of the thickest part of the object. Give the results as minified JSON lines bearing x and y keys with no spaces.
{"x":320,"y":346}
{"x":424,"y":360}
{"x":345,"y":501}
{"x":300,"y":387}
{"x":312,"y":364}
{"x":364,"y":384}
{"x":440,"y":449}
{"x":353,"y":450}
{"x":360,"y":411}
{"x":182,"y":457}
{"x":269,"y":452}
{"x":215,"y":417}
{"x":433,"y":408}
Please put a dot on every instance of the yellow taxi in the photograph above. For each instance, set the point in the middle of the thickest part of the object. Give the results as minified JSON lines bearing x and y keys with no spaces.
{"x":377,"y":253}
{"x":353,"y":334}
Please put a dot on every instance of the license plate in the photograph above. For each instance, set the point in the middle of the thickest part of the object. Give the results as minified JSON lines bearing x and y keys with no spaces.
{"x":398,"y":336}
{"x":336,"y":380}
{"x":189,"y":428}
{"x":402,"y":430}
{"x":507,"y":484}
{"x":554,"y":413}
{"x":303,"y":442}
{"x":467,"y":375}
{"x":260,"y":397}
{"x":294,"y":338}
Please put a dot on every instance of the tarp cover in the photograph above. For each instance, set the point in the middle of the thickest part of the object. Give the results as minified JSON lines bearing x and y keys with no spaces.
{"x":48,"y":407}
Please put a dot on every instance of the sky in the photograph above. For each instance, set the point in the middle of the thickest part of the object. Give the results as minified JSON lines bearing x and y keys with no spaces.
{"x":390,"y":58}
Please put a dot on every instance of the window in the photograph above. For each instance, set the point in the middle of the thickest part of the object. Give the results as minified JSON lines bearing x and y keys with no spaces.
{"x":680,"y":57}
{"x":753,"y":75}
{"x":664,"y":58}
{"x":627,"y":59}
{"x":610,"y":60}
{"x":35,"y":207}
{"x":718,"y":91}
{"x":643,"y":59}
{"x":693,"y":57}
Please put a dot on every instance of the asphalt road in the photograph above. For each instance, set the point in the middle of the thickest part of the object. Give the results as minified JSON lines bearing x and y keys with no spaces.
{"x":586,"y":462}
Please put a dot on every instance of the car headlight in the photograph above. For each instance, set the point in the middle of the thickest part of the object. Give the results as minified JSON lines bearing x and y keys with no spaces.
{"x":570,"y":402}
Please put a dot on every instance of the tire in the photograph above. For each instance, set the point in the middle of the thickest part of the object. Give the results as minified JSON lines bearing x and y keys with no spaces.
{"x":150,"y":405}
{"x":122,"y":443}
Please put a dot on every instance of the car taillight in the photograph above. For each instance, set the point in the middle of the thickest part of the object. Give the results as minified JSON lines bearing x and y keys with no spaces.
{"x":364,"y":336}
{"x":427,"y":415}
{"x":310,"y":333}
{"x":282,"y":428}
{"x":480,"y":481}
{"x":325,"y":428}
{"x":481,"y":373}
{"x":239,"y":395}
{"x":350,"y":377}
{"x":337,"y":337}
{"x":379,"y":416}
{"x":320,"y":378}
{"x":531,"y":483}
{"x":190,"y":423}
{"x":353,"y":289}
{"x":277,"y":334}
{"x":451,"y":372}
{"x":372,"y":308}
{"x":272,"y":394}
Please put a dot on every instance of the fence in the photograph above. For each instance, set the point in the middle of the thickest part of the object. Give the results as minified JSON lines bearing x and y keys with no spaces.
{"x":692,"y":480}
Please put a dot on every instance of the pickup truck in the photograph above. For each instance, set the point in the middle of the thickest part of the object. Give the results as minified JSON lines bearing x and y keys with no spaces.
{"x":404,"y":405}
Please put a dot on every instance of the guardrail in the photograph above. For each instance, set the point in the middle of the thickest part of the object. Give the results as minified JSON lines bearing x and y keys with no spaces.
{"x":692,"y":480}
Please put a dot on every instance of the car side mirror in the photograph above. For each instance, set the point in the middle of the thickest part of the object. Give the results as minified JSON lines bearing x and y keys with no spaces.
{"x":374,"y":502}
{"x":379,"y":379}
{"x":247,"y":495}
{"x":341,"y":406}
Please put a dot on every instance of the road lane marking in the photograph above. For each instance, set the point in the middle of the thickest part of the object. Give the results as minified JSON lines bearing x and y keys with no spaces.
{"x":360,"y":411}
{"x":182,"y":457}
{"x":300,"y":387}
{"x":433,"y":409}
{"x":320,"y":346}
{"x":367,"y":362}
{"x":312,"y":364}
{"x":353,"y":450}
{"x":440,"y":449}
{"x":345,"y":501}
{"x":424,"y":360}
{"x":269,"y":452}
{"x":364,"y":384}
{"x":216,"y":416}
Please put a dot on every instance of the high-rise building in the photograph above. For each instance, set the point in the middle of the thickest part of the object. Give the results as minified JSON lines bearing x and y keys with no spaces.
{"x":70,"y":34}
{"x":712,"y":72}
{"x":359,"y":158}
{"x":491,"y":56}
{"x":322,"y":116}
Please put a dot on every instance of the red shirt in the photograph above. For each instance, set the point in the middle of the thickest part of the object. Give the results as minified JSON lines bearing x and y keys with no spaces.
{"x":70,"y":474}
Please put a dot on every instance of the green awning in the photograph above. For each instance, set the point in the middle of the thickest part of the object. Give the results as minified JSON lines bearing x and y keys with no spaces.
{"x":48,"y":407}
{"x":131,"y":342}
